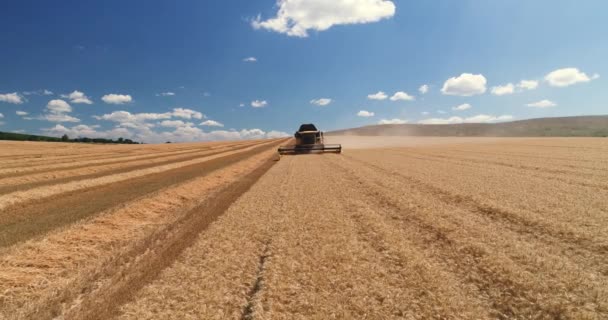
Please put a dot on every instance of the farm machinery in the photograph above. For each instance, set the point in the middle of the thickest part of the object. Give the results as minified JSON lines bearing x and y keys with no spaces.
{"x":309,"y":139}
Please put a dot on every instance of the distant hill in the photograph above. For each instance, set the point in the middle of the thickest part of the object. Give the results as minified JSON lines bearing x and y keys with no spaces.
{"x":31,"y":137}
{"x":584,"y":126}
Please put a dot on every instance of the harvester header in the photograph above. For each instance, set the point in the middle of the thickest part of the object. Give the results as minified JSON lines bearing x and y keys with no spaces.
{"x":309,"y":139}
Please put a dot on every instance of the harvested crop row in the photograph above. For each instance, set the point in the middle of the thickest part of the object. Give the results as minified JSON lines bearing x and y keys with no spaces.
{"x":97,"y":152}
{"x":300,"y":262}
{"x":87,"y":160}
{"x":84,"y":258}
{"x":35,"y":218}
{"x":489,"y":254}
{"x":532,"y":197}
{"x":48,"y":191}
{"x":54,"y":176}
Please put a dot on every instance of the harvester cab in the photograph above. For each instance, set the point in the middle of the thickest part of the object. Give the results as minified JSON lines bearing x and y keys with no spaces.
{"x":309,"y":139}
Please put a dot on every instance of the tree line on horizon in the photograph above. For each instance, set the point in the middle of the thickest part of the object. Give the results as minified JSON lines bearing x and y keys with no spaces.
{"x":65,"y":138}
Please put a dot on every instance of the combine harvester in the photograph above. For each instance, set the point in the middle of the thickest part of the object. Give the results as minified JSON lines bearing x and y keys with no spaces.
{"x":309,"y":140}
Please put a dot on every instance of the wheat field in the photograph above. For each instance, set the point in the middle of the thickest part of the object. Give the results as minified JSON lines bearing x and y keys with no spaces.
{"x":458,"y":228}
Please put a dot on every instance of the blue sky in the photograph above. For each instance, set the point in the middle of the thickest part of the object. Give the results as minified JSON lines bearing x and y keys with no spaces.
{"x":472,"y":55}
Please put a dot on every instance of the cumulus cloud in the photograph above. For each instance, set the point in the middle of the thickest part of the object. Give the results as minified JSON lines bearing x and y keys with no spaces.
{"x":508,"y":88}
{"x":21,"y":113}
{"x":187,"y":113}
{"x":465,"y":85}
{"x":211,"y":123}
{"x":365,"y":114}
{"x":480,"y":118}
{"x":392,"y":121}
{"x":175,"y":123}
{"x":57,"y":111}
{"x":320,"y":102}
{"x":403,"y":96}
{"x":297,"y":17}
{"x":528,"y":84}
{"x":542,"y":104}
{"x":377,"y":96}
{"x":464,"y":106}
{"x":132,"y":118}
{"x":77,"y":97}
{"x":116,"y":98}
{"x":13,"y":98}
{"x":58,"y":106}
{"x":259,"y":103}
{"x":165,"y":94}
{"x":567,"y":77}
{"x":424,"y":89}
{"x":250,"y":59}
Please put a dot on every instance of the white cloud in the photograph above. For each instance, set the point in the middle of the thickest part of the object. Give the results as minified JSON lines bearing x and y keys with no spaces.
{"x":58,"y":106}
{"x":465,"y":85}
{"x":402,"y":96}
{"x":165,"y":94}
{"x":175,"y":123}
{"x":528,"y":84}
{"x":136,"y":127}
{"x":296,"y":17}
{"x":21,"y":113}
{"x":424,"y":113}
{"x":508,"y":88}
{"x":462,"y":107}
{"x":187,"y":113}
{"x":241,"y":105}
{"x":377,"y":96}
{"x":13,"y":98}
{"x":127,"y":117}
{"x":321,"y":102}
{"x":116,"y":98}
{"x":480,"y":118}
{"x":77,"y":97}
{"x":2,"y":116}
{"x":441,"y":112}
{"x":88,"y":131}
{"x":211,"y":123}
{"x":424,"y":89}
{"x":259,"y":104}
{"x":567,"y":77}
{"x":250,"y":59}
{"x":392,"y":121}
{"x":542,"y":104}
{"x":58,"y":117}
{"x":365,"y":114}
{"x":56,"y":111}
{"x":44,"y":92}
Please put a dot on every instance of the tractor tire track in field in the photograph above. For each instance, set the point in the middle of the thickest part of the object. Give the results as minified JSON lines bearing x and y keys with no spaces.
{"x":19,"y":223}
